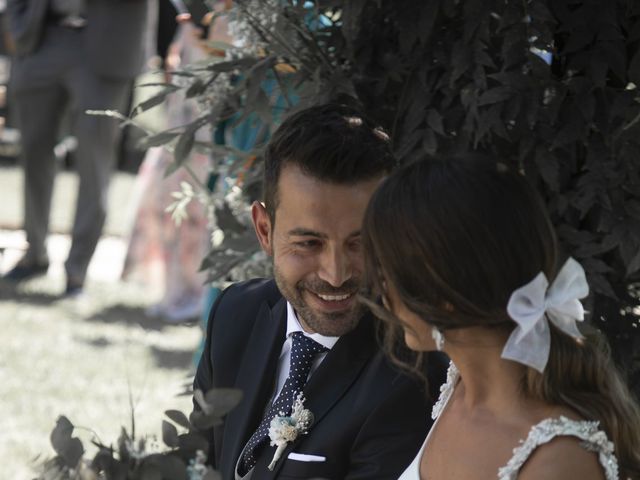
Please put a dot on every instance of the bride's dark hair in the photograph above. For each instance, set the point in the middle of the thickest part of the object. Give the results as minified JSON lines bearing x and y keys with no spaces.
{"x":455,"y":237}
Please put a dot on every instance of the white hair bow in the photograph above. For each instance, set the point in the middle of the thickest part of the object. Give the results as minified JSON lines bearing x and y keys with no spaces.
{"x":530,"y":307}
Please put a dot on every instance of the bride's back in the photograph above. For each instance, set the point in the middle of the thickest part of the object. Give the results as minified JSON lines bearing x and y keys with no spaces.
{"x":477,"y":444}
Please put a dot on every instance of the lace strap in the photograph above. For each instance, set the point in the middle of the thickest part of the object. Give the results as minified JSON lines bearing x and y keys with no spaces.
{"x":593,"y":440}
{"x":446,"y":389}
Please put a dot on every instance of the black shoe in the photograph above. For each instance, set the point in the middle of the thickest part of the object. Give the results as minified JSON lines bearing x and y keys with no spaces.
{"x":73,"y":289}
{"x":25,"y":270}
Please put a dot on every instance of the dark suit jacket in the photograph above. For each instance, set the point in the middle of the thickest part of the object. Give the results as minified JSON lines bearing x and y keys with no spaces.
{"x":113,"y":40}
{"x":370,"y":420}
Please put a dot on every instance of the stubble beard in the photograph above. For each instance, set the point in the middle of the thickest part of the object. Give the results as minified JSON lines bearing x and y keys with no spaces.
{"x":325,"y":323}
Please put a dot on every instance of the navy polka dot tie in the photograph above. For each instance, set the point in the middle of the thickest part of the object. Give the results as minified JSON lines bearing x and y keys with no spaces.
{"x":303,"y":352}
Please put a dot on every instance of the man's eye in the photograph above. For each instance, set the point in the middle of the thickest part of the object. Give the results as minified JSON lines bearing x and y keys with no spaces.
{"x":308,"y":243}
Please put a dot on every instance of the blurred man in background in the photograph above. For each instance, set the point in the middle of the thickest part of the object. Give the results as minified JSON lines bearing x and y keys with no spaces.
{"x":82,"y":55}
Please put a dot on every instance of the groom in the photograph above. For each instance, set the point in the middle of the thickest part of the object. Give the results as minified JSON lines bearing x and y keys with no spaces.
{"x":305,"y":331}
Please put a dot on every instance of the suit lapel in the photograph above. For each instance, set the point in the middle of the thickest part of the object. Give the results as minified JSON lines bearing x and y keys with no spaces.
{"x":335,"y":375}
{"x":256,"y":380}
{"x":340,"y":369}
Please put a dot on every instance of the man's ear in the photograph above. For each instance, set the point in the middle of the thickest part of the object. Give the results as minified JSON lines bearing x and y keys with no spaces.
{"x":262,"y":225}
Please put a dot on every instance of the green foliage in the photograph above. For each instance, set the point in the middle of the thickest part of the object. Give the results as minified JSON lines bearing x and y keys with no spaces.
{"x":138,"y":458}
{"x":474,"y":79}
{"x":445,"y":77}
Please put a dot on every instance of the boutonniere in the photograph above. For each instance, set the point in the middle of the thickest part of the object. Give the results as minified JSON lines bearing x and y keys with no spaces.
{"x":283,"y":429}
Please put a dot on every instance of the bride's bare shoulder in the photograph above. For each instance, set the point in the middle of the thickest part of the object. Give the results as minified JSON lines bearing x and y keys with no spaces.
{"x":563,"y":457}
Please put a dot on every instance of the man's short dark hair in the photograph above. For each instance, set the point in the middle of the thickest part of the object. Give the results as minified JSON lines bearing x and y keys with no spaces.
{"x":333,"y":143}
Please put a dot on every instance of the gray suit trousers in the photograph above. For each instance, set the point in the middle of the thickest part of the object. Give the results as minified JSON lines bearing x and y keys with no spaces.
{"x":55,"y":77}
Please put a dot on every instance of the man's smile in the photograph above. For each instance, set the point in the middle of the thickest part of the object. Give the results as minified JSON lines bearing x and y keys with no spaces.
{"x":335,"y":302}
{"x":334,"y":298}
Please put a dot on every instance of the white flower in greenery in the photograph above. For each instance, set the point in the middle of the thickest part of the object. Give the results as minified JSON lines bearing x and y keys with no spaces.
{"x":178,"y":208}
{"x":197,"y":469}
{"x":283,"y":429}
{"x":217,"y":237}
{"x":141,"y":448}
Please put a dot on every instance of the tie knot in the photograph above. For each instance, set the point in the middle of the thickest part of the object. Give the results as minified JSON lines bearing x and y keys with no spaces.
{"x":305,"y":346}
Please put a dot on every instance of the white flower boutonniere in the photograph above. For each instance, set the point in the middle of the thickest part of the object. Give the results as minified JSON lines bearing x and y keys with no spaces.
{"x":283,"y":430}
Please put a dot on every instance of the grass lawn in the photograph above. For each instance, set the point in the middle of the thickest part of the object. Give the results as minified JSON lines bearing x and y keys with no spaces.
{"x":84,"y":359}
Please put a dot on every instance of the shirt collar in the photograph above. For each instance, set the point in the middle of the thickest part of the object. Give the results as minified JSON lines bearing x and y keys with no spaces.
{"x":293,"y":325}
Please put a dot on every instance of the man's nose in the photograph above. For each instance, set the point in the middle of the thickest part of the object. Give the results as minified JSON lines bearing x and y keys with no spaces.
{"x":335,"y":267}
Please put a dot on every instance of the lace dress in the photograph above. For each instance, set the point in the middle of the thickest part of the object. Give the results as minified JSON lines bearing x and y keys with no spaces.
{"x":591,"y":438}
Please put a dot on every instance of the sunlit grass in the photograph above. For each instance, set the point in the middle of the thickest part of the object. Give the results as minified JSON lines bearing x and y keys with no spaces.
{"x":86,"y":360}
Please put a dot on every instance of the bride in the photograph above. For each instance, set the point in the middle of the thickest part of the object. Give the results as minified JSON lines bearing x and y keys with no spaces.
{"x":466,"y":261}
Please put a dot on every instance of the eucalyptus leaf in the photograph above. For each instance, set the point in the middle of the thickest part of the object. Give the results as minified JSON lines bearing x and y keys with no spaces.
{"x":219,"y":150}
{"x":601,"y":285}
{"x":72,"y":452}
{"x":218,"y":266}
{"x":171,"y":168}
{"x":123,"y":442}
{"x":61,"y":434}
{"x":223,"y":400}
{"x":178,"y":417}
{"x":169,"y":434}
{"x":103,"y":460}
{"x":184,"y":146}
{"x":495,"y":95}
{"x":155,"y":100}
{"x":227,"y":221}
{"x":218,"y":45}
{"x":196,"y":88}
{"x":634,"y":264}
{"x":231,"y":65}
{"x":156,"y":140}
{"x":193,"y":442}
{"x":68,"y":448}
{"x":204,"y":421}
{"x":548,"y":168}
